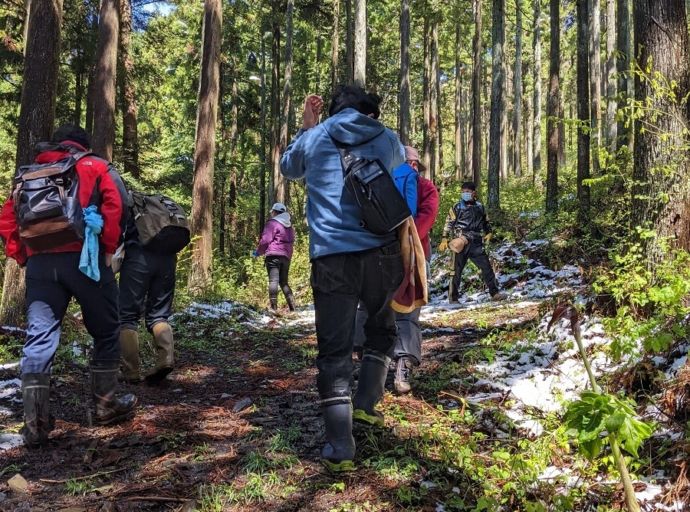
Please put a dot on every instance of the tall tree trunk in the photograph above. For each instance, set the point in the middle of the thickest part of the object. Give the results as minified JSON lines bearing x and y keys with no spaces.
{"x":36,"y":117}
{"x":434,"y":111}
{"x":287,"y":93}
{"x":130,"y":138}
{"x":426,"y":98}
{"x":517,"y":84}
{"x":595,"y":79}
{"x":477,"y":93}
{"x":553,"y":109}
{"x":661,"y":192}
{"x":277,"y":180}
{"x":611,"y":84}
{"x":90,"y":98}
{"x":623,"y":61}
{"x":264,"y":138}
{"x":528,"y":121}
{"x":404,"y":117}
{"x":335,"y":44}
{"x":104,"y":89}
{"x":205,"y":149}
{"x":583,"y":109}
{"x":459,"y":120}
{"x":349,"y":43}
{"x":536,"y":102}
{"x":497,"y":103}
{"x":78,"y":94}
{"x":360,"y":73}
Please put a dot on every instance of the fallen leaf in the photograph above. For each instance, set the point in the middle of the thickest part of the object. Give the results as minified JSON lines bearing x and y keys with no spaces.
{"x":18,"y":484}
{"x":241,"y":405}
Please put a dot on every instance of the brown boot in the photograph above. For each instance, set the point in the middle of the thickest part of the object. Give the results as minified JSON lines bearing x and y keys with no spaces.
{"x":131,"y":362}
{"x":163,"y":339}
{"x":37,"y":420}
{"x":109,"y":408}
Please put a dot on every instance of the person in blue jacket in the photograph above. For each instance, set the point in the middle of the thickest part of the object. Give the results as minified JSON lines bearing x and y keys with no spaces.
{"x":349,"y":263}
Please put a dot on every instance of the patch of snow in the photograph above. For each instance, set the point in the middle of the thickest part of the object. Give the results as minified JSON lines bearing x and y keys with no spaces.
{"x":9,"y":388}
{"x":9,"y":441}
{"x":428,"y":484}
{"x":9,"y":366}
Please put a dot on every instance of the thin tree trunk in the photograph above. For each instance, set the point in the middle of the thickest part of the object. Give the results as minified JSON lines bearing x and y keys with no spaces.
{"x":477,"y":93}
{"x":360,"y":72}
{"x":517,"y":83}
{"x":349,"y":43}
{"x":287,"y":93}
{"x":90,"y":98}
{"x":553,"y":110}
{"x":434,"y":111}
{"x":536,"y":102}
{"x":277,"y":181}
{"x":264,"y":138}
{"x":611,"y":84}
{"x":497,"y":103}
{"x":661,"y":171}
{"x":528,"y":121}
{"x":404,"y":117}
{"x":106,"y":70}
{"x":335,"y":43}
{"x":426,"y":98}
{"x":623,"y":61}
{"x":583,"y":110}
{"x":130,"y":138}
{"x":36,"y":117}
{"x":78,"y":94}
{"x":205,"y":149}
{"x":459,"y":143}
{"x":595,"y":79}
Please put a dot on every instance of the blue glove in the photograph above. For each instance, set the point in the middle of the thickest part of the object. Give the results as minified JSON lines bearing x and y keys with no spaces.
{"x":88,"y":261}
{"x":255,"y":254}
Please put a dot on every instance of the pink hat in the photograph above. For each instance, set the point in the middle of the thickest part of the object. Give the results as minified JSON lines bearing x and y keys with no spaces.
{"x":411,"y":154}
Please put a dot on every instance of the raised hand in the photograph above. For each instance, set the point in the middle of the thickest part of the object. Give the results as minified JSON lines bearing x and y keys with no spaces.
{"x":312,"y":111}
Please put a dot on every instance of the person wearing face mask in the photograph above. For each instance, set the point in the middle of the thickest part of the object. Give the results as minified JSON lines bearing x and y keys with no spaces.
{"x":467,"y":219}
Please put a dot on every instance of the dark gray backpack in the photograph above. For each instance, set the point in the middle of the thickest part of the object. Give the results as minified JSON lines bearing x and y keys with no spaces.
{"x":161,"y":223}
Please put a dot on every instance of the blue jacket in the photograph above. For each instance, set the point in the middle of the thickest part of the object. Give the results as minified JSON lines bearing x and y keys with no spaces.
{"x":332,"y":214}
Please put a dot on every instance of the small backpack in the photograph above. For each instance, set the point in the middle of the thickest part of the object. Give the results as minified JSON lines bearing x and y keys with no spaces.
{"x":406,"y":179}
{"x":381,"y":206}
{"x":161,"y":223}
{"x":46,"y":203}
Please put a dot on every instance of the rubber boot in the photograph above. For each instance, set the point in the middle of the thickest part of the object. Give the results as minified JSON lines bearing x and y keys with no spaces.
{"x":290,"y":301}
{"x":403,"y":371}
{"x":37,"y":420}
{"x":274,"y":303}
{"x":339,"y":450}
{"x":109,"y":408}
{"x":163,"y":339}
{"x":370,"y":386}
{"x":129,"y":349}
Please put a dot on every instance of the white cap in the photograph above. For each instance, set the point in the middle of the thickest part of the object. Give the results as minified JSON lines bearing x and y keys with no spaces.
{"x":278,"y":207}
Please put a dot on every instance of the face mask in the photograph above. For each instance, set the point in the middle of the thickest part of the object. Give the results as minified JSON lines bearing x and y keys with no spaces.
{"x":467,"y":196}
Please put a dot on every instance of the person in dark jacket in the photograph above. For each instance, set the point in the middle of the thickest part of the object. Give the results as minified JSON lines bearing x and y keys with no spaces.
{"x":349,"y":263}
{"x":276,"y":244}
{"x":53,"y":277}
{"x":147,"y":285}
{"x":468,"y":218}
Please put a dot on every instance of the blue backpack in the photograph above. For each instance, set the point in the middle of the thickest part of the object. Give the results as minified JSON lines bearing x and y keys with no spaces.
{"x":406,"y":182}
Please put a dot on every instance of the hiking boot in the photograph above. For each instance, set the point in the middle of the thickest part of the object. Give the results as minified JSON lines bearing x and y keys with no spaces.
{"x":370,"y":385}
{"x":498,"y":296}
{"x":37,"y":420}
{"x":163,"y":340}
{"x":339,"y":451}
{"x":403,"y":372}
{"x":291,"y":302}
{"x":129,"y":350}
{"x":274,"y":303}
{"x":109,"y":408}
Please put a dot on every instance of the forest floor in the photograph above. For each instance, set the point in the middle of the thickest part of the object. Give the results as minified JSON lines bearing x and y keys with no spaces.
{"x":237,"y":426}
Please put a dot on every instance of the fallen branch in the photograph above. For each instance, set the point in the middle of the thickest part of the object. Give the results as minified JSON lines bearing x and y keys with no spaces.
{"x":156,"y":498}
{"x":85,"y":477}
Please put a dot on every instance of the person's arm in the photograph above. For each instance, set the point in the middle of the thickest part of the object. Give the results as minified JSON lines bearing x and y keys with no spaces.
{"x":266,"y":238}
{"x":112,"y":209}
{"x":450,"y":220}
{"x":9,"y":232}
{"x":292,"y":163}
{"x":485,"y":222}
{"x":427,"y":207}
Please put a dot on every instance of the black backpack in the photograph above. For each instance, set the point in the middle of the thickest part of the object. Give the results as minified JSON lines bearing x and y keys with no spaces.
{"x":381,"y":205}
{"x":161,"y":223}
{"x":46,"y":203}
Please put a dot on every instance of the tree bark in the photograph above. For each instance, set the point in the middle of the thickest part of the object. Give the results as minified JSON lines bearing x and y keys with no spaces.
{"x":130,"y":138}
{"x":477,"y":93}
{"x":277,"y":189}
{"x":349,"y":43}
{"x":459,"y":118}
{"x":434,"y":97}
{"x":36,"y":117}
{"x":536,"y":102}
{"x":611,"y":81}
{"x":404,"y":117}
{"x":583,"y":110}
{"x":553,"y":110}
{"x":287,"y":93}
{"x":360,"y":72}
{"x":426,"y":98}
{"x":205,"y":149}
{"x":623,"y":61}
{"x":264,"y":138}
{"x":595,"y":79}
{"x":105,"y":76}
{"x":517,"y":83}
{"x":335,"y":44}
{"x":661,"y":171}
{"x":497,"y":103}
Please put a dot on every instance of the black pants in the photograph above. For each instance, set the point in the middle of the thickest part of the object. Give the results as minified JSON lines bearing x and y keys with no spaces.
{"x":278,"y":268}
{"x":147,"y":286}
{"x":51,"y":281}
{"x":475,"y":252}
{"x":339,"y":283}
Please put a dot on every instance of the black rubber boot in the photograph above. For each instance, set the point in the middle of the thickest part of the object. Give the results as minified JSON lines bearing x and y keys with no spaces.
{"x":370,"y":386}
{"x":109,"y":408}
{"x":274,"y":303}
{"x":291,"y":301}
{"x":37,"y":420}
{"x":339,"y":450}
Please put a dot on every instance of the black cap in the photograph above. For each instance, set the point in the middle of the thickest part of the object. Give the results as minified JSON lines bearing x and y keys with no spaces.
{"x":469,"y":185}
{"x":74,"y":133}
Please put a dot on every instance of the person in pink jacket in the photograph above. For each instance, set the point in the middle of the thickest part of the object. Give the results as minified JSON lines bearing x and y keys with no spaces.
{"x":276,"y":244}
